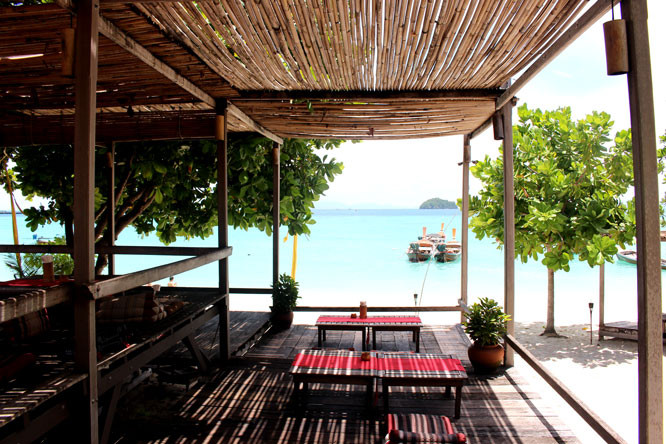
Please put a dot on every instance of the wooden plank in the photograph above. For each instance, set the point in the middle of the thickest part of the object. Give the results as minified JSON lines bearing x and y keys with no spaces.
{"x":594,"y":421}
{"x":16,"y":302}
{"x":276,"y":213}
{"x":481,"y":128}
{"x":240,"y":115}
{"x":116,"y":249}
{"x":464,"y":229}
{"x":222,"y":136}
{"x":648,"y":246}
{"x":85,"y":348}
{"x":589,"y":18}
{"x":509,"y":225}
{"x":118,"y":284}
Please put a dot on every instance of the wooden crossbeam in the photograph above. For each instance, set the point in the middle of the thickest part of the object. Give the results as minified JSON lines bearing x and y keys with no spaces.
{"x":589,"y":18}
{"x":116,"y":35}
{"x":254,"y":126}
{"x":470,"y":94}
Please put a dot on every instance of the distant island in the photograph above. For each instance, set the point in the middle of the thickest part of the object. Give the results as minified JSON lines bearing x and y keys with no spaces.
{"x":438,"y":204}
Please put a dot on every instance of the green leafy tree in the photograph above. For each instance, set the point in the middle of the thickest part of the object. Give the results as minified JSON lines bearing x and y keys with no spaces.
{"x":170,"y":187}
{"x":568,"y":180}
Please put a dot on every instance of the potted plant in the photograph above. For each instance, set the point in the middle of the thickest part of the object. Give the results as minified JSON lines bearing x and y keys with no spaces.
{"x":285,"y":295}
{"x":486,"y":326}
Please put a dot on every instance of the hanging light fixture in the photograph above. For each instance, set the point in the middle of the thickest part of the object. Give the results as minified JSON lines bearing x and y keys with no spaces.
{"x":617,"y":52}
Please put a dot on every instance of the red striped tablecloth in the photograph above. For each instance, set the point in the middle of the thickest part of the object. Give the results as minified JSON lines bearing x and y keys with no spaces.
{"x":370,"y":320}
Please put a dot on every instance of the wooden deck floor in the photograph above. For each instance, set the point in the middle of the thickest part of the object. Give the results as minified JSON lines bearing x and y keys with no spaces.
{"x":250,"y":401}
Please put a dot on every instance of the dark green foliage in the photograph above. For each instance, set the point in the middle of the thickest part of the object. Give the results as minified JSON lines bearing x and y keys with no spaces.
{"x":169,"y":187}
{"x":437,"y":203}
{"x":486,"y":322}
{"x":285,"y":294}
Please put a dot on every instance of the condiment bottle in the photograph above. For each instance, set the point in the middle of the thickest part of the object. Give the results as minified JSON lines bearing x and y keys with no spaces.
{"x":363,"y":310}
{"x":47,"y":264}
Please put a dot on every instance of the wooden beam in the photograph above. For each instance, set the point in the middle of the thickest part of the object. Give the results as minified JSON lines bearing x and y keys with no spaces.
{"x":111,"y":205}
{"x":240,"y":115}
{"x":100,"y":289}
{"x":648,"y":245}
{"x":115,"y":34}
{"x":116,"y":249}
{"x":471,"y":94}
{"x":464,"y":235}
{"x":589,"y":18}
{"x":222,"y":136}
{"x":484,"y":126}
{"x":276,"y":213}
{"x":594,"y":421}
{"x":602,"y":300}
{"x":509,"y":227}
{"x":85,"y":85}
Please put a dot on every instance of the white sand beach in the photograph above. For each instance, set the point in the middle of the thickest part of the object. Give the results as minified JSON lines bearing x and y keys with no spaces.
{"x":603,"y":375}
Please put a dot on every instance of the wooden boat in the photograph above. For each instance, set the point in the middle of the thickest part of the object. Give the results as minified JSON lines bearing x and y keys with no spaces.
{"x":448,"y":251}
{"x":631,"y":256}
{"x":420,"y":251}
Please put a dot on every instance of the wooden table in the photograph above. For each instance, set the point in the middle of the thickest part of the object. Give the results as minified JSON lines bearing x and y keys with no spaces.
{"x":376,"y":323}
{"x":394,"y":369}
{"x":332,"y":367}
{"x":429,"y":370}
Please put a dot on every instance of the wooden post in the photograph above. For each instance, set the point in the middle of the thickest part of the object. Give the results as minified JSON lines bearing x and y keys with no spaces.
{"x":85,"y":349}
{"x":276,"y":212}
{"x":221,"y":134}
{"x":648,"y":246}
{"x":602,"y":297}
{"x":111,"y":199}
{"x":509,"y":226}
{"x":467,"y":154}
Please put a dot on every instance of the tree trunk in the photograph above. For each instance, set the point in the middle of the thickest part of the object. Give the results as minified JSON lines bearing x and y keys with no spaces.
{"x":550,"y":315}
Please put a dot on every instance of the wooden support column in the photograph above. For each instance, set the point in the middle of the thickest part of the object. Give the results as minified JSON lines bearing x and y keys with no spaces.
{"x":648,"y":246}
{"x":509,"y":226}
{"x":221,"y":135}
{"x":276,"y":213}
{"x":85,"y":351}
{"x":464,"y":235}
{"x":111,"y":203}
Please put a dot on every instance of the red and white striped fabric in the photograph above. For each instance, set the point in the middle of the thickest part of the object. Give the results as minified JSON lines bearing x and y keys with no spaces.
{"x":419,"y":365}
{"x":417,"y":428}
{"x":333,"y":362}
{"x":370,"y":320}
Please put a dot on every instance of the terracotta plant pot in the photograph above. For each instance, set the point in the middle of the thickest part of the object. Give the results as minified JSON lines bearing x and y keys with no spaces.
{"x":486,"y":359}
{"x":282,"y":321}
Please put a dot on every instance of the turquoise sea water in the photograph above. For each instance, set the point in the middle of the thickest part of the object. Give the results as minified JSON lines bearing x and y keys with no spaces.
{"x":355,"y":255}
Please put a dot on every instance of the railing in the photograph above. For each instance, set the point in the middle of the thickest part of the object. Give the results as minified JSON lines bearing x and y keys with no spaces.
{"x":597,"y":424}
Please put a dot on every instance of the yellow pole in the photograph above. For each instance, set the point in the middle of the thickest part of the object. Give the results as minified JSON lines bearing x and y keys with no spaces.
{"x":14,"y":226}
{"x":293,"y":258}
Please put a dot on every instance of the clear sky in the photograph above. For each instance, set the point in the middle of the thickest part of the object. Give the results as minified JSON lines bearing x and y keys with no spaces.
{"x":383,"y":174}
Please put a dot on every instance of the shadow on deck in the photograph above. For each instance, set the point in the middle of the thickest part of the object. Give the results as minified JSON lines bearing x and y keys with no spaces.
{"x":250,"y":400}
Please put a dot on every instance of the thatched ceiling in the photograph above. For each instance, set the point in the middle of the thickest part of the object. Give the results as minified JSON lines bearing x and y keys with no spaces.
{"x":332,"y":68}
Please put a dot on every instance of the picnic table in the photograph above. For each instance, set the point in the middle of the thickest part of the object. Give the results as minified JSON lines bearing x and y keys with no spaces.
{"x":392,"y":369}
{"x":376,"y":323}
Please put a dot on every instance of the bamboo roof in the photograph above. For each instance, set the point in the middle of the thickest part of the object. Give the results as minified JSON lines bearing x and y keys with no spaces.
{"x":353,"y":69}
